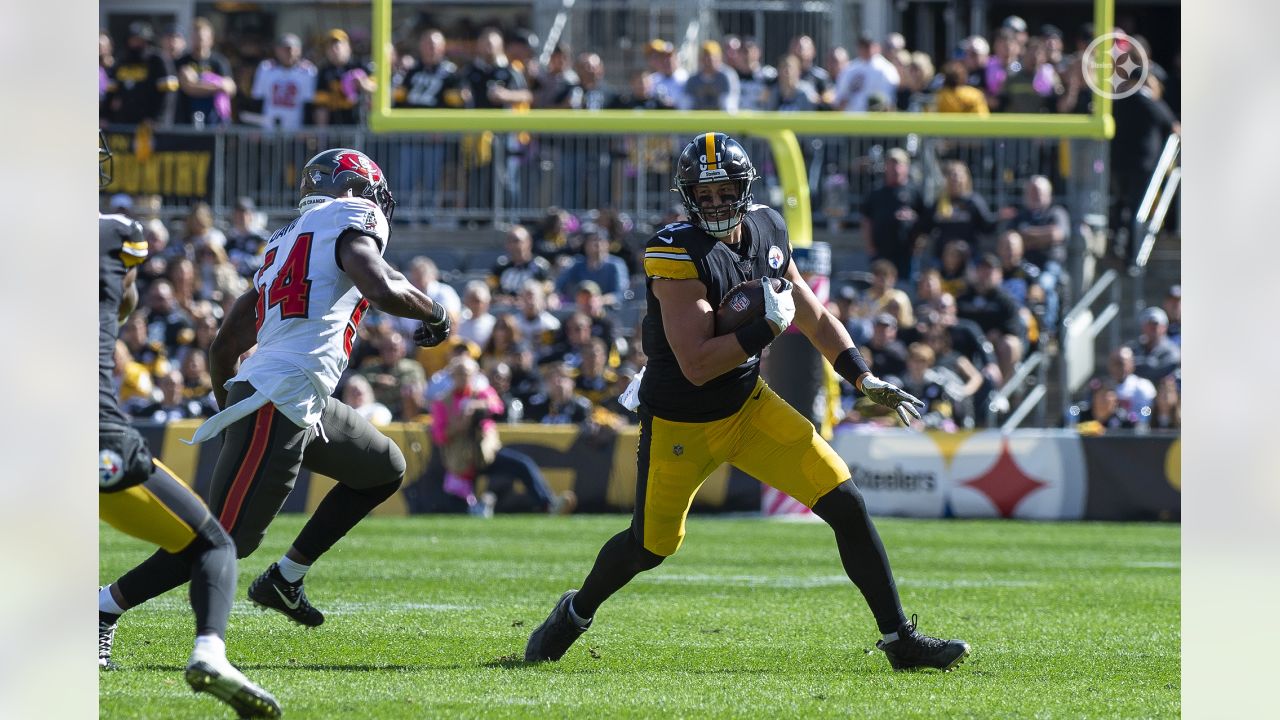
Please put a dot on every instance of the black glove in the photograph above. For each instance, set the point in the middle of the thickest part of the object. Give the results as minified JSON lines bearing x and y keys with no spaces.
{"x":892,"y":396}
{"x":431,"y":333}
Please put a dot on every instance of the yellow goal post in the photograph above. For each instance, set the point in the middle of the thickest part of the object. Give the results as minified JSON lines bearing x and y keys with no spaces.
{"x":779,"y":129}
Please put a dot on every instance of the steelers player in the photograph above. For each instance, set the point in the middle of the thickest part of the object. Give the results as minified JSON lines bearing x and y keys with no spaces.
{"x":703,"y":403}
{"x":141,"y":497}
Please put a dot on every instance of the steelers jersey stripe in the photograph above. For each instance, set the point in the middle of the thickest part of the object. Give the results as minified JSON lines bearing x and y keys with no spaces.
{"x":668,"y":256}
{"x":670,"y":269}
{"x":711,"y":152}
{"x":133,"y":252}
{"x":665,"y":249}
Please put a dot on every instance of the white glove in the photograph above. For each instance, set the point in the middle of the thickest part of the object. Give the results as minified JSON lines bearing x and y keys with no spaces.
{"x":779,"y":306}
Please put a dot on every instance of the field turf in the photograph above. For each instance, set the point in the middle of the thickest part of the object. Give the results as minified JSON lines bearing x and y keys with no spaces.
{"x":427,"y":615}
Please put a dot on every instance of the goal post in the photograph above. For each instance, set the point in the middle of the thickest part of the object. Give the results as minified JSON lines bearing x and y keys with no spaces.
{"x":779,"y":129}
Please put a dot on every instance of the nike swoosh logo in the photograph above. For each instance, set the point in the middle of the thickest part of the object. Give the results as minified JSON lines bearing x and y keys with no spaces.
{"x":666,"y":240}
{"x":291,"y":605}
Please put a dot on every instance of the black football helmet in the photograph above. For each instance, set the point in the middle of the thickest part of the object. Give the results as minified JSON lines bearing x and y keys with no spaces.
{"x":335,"y":171}
{"x":711,"y":158}
{"x":106,"y":163}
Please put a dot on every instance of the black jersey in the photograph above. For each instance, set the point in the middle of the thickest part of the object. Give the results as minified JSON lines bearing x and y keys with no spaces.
{"x":120,"y":247}
{"x":681,"y":251}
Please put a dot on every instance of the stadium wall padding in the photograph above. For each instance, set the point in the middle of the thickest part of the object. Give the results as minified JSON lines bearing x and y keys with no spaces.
{"x":1027,"y":474}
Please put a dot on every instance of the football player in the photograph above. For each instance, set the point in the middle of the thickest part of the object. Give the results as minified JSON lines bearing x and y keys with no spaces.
{"x":702,"y":403}
{"x":143,"y":498}
{"x":320,"y":274}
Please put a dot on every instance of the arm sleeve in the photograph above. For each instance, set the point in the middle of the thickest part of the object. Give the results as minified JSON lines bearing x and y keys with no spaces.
{"x":669,"y":261}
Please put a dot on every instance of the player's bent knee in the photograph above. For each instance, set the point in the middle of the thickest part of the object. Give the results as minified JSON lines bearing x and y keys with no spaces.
{"x":398,"y":464}
{"x":643,"y":558}
{"x":844,"y":500}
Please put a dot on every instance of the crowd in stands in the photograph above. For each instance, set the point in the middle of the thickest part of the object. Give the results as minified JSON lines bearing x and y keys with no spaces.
{"x":167,"y":79}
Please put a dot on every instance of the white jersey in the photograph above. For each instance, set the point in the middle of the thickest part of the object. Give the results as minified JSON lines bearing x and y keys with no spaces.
{"x":308,"y":309}
{"x":284,"y":92}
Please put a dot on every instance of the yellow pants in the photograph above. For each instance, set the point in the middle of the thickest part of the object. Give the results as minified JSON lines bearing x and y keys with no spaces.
{"x":163,"y":511}
{"x":766,"y":438}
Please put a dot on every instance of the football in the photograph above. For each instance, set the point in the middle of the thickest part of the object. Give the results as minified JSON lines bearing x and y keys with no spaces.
{"x":742,"y":304}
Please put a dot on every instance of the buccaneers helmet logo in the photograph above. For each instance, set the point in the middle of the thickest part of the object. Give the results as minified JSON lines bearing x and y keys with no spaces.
{"x":360,"y":165}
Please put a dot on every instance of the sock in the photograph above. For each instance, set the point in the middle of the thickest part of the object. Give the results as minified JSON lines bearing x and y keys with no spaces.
{"x":290,"y":570}
{"x":622,"y":558}
{"x":107,"y":602}
{"x":579,"y":621}
{"x":209,"y":647}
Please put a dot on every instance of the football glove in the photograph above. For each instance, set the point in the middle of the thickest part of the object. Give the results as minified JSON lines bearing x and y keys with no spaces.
{"x":892,"y":396}
{"x":779,"y":306}
{"x":431,"y":334}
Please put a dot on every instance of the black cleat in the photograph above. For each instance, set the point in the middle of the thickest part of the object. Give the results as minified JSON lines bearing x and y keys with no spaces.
{"x":554,"y":636}
{"x":233,"y":688}
{"x":270,"y":590}
{"x":106,"y":636}
{"x":913,"y":650}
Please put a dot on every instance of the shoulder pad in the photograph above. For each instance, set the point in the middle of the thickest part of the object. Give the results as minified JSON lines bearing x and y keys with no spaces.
{"x":670,"y":253}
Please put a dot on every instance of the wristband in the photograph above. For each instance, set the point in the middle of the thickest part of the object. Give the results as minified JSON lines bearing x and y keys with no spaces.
{"x":850,"y":365}
{"x":755,"y":336}
{"x":437,"y":314}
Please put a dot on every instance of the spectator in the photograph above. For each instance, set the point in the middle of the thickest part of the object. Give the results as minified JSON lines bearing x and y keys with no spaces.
{"x":889,"y":352}
{"x":824,"y":84}
{"x":106,"y":68}
{"x":1167,"y":413}
{"x":477,"y":322}
{"x":754,"y":78}
{"x":391,"y":370}
{"x":866,"y":75}
{"x":1101,"y":413}
{"x":499,"y":375}
{"x":597,"y":265}
{"x":884,"y":292}
{"x":503,"y":340}
{"x":173,"y":405}
{"x":554,"y":88}
{"x":463,"y":428}
{"x":929,"y":384}
{"x":1004,"y":60}
{"x":590,"y":302}
{"x":836,"y":60}
{"x":1154,"y":354}
{"x":1134,"y":394}
{"x":204,"y":80}
{"x":201,"y":230}
{"x":571,"y":343}
{"x":918,"y":81}
{"x":564,"y":405}
{"x":928,"y":289}
{"x":957,"y":95}
{"x":959,"y":213}
{"x":641,"y":95}
{"x":596,"y":379}
{"x":515,"y":269}
{"x":435,"y":82}
{"x":1143,"y":125}
{"x":1026,"y":283}
{"x":434,"y":359}
{"x":955,"y":268}
{"x":285,"y":85}
{"x":173,"y":45}
{"x":969,"y":382}
{"x":246,"y":240}
{"x":425,"y":276}
{"x":996,"y":313}
{"x":789,"y":93}
{"x":132,"y":378}
{"x":890,"y":214}
{"x":159,"y":251}
{"x":1173,"y":310}
{"x":848,"y":310}
{"x":551,"y":236}
{"x":968,"y":340}
{"x":976,"y":54}
{"x":168,"y":323}
{"x":143,"y":83}
{"x":341,"y":83}
{"x":1044,"y":226}
{"x":668,"y":77}
{"x":358,"y":393}
{"x":196,"y":383}
{"x":714,"y":87}
{"x":537,"y":326}
{"x":1018,"y":27}
{"x":490,"y":77}
{"x":182,"y":277}
{"x":148,"y":353}
{"x":591,"y":92}
{"x":1076,"y":96}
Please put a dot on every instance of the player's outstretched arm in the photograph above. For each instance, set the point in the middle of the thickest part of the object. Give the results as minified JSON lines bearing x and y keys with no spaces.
{"x":831,"y":339}
{"x":388,"y":290}
{"x":238,"y":333}
{"x":129,"y":298}
{"x":689,"y":321}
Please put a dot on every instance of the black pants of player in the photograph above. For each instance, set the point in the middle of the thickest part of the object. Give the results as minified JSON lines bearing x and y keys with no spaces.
{"x":164,"y":511}
{"x":256,"y":470}
{"x":861,"y":552}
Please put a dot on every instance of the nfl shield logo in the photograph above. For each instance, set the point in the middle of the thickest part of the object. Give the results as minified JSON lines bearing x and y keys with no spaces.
{"x":739,"y":302}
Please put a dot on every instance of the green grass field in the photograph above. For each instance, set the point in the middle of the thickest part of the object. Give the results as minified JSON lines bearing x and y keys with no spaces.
{"x":426,"y":615}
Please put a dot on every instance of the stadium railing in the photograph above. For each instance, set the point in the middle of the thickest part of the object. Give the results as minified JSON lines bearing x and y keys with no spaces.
{"x":1149,"y":219}
{"x":1078,"y":337}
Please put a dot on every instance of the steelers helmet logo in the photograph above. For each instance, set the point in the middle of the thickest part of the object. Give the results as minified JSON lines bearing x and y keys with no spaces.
{"x":110,"y":468}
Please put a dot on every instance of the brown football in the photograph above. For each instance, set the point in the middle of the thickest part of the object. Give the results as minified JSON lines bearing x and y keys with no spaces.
{"x":742,"y":304}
